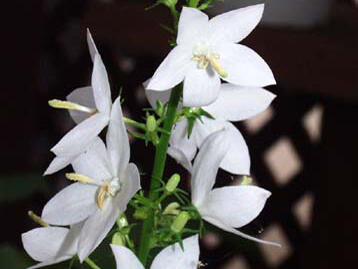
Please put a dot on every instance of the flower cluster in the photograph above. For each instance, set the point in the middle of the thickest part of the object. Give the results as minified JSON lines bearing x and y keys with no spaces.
{"x":192,"y":111}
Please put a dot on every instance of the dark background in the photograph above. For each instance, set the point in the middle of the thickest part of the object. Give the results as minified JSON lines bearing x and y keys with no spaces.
{"x":44,"y":56}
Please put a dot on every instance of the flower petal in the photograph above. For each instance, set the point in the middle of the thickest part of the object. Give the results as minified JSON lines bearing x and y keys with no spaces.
{"x":125,"y":258}
{"x":206,"y":165}
{"x":154,"y":96}
{"x":130,"y":185}
{"x":229,"y":229}
{"x":175,"y":258}
{"x":57,"y":164}
{"x":244,"y":66}
{"x":179,"y":139}
{"x":201,"y":86}
{"x":117,"y":140}
{"x":237,"y":103}
{"x":91,"y":45}
{"x":43,"y":244}
{"x":47,"y":263}
{"x":178,"y":155}
{"x":77,"y":140}
{"x":82,"y":96}
{"x":71,"y":205}
{"x":100,"y":85}
{"x":95,"y":228}
{"x":172,"y":70}
{"x":237,"y":158}
{"x":94,"y":162}
{"x":99,"y":224}
{"x":235,"y":25}
{"x":235,"y":206}
{"x":192,"y":24}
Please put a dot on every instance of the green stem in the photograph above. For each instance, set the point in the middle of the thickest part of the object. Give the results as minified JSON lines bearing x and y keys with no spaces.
{"x":194,"y":3}
{"x":92,"y":264}
{"x":158,"y":170}
{"x":134,"y":123}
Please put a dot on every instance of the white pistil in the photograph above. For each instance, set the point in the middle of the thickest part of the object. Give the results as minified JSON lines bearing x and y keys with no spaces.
{"x":70,"y":106}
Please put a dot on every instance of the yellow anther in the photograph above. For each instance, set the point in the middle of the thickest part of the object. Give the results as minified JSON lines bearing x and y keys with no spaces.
{"x":103,"y":193}
{"x":246,"y":181}
{"x":201,"y":59}
{"x":213,"y":58}
{"x":70,"y":106}
{"x":80,"y":178}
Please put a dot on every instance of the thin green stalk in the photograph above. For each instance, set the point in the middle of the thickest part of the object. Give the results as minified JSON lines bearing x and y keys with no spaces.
{"x":92,"y":264}
{"x":194,"y":3}
{"x":157,"y":173}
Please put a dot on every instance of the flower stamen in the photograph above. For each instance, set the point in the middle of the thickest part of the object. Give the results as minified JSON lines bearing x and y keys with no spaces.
{"x":81,"y":178}
{"x":55,"y":103}
{"x":103,"y":193}
{"x":213,"y":60}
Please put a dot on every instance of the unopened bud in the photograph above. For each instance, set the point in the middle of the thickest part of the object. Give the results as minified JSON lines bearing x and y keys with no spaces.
{"x":141,"y":213}
{"x":172,"y":183}
{"x":159,"y":109}
{"x":122,"y":221}
{"x":155,"y":138}
{"x":246,"y":181}
{"x":151,"y":124}
{"x":118,"y":239}
{"x":180,"y":222}
{"x":37,"y":219}
{"x":172,"y":209}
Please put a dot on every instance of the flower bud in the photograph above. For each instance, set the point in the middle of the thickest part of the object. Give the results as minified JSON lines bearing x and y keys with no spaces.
{"x":180,"y":222}
{"x":155,"y":138}
{"x":160,"y":109}
{"x":122,"y":221}
{"x":151,"y":124}
{"x":141,"y":213}
{"x":172,"y":209}
{"x":118,"y":239}
{"x":172,"y":183}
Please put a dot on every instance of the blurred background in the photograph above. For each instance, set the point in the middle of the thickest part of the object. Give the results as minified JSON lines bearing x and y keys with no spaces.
{"x":303,"y":148}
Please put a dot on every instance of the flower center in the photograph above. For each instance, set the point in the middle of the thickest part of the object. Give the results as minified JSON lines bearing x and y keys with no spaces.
{"x":204,"y":58}
{"x":107,"y":188}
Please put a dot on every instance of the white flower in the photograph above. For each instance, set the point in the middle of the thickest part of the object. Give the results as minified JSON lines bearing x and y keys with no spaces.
{"x":107,"y":181}
{"x":207,"y":51}
{"x":90,"y":108}
{"x":170,"y":257}
{"x":227,"y":207}
{"x":50,"y":245}
{"x":234,"y":103}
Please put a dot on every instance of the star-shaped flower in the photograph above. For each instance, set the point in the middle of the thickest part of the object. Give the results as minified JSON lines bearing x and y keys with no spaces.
{"x":206,"y":52}
{"x":170,"y":257}
{"x":234,"y":103}
{"x":90,"y":107}
{"x":51,"y":245}
{"x":106,"y":183}
{"x":227,"y":207}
